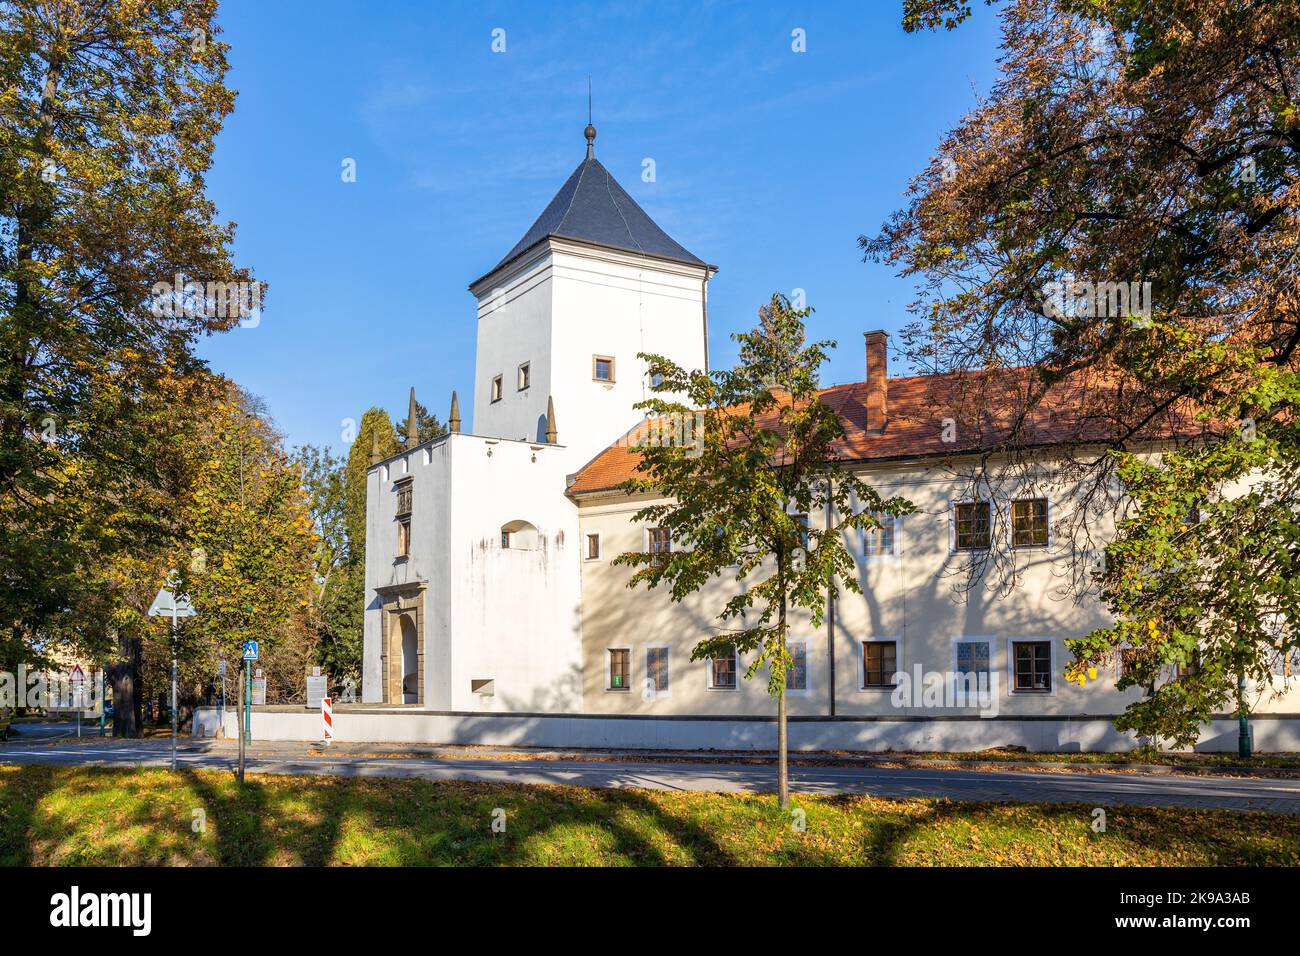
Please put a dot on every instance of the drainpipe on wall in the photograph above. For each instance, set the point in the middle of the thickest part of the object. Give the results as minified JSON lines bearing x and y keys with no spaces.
{"x":830,"y":613}
{"x":704,"y":316}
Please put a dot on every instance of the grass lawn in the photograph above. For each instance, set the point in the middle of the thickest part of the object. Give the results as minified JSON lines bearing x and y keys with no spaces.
{"x":67,"y":815}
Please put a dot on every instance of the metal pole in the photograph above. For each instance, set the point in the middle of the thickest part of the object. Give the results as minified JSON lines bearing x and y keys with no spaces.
{"x":239,"y":730}
{"x":1243,"y":722}
{"x":248,"y":702}
{"x":174,"y":603}
{"x":103,"y":698}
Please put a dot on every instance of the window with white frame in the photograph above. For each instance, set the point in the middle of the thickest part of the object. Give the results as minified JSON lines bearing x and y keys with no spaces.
{"x":660,"y":544}
{"x":972,"y":660}
{"x":656,"y":668}
{"x":620,"y":668}
{"x":879,"y":663}
{"x":879,"y":542}
{"x":971,"y":526}
{"x":722,"y":671}
{"x":1031,"y":667}
{"x":796,"y":678}
{"x":1029,"y":528}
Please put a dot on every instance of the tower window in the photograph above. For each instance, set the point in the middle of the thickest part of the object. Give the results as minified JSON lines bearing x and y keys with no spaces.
{"x":602,"y":368}
{"x":404,"y":497}
{"x":404,"y":537}
{"x":525,"y":376}
{"x":496,"y":389}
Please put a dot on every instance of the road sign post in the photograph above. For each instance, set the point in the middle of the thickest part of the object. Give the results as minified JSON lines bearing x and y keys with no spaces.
{"x":177,"y":605}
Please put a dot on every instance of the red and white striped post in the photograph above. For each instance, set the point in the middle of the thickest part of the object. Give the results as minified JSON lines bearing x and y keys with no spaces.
{"x":327,"y":718}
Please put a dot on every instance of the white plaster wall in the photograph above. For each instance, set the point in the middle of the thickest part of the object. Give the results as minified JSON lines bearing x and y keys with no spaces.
{"x":514,"y":326}
{"x":916,"y":598}
{"x":515,"y":613}
{"x":560,"y":308}
{"x":1054,"y":735}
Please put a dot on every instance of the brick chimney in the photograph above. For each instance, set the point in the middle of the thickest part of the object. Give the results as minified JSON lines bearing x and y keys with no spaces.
{"x":877,"y":380}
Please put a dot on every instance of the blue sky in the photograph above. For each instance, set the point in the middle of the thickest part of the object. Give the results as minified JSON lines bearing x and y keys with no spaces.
{"x":768,"y":162}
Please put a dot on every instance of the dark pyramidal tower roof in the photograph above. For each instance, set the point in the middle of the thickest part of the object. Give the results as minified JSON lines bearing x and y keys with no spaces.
{"x":592,"y":207}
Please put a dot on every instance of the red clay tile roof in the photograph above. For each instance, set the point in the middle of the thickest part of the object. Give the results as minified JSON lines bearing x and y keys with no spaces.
{"x":1073,"y":412}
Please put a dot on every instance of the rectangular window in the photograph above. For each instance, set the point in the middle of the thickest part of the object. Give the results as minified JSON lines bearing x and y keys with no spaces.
{"x":620,"y":675}
{"x":879,"y":541}
{"x":505,"y":539}
{"x":802,"y":520}
{"x":1029,"y":523}
{"x":602,"y":368}
{"x":796,"y":678}
{"x":525,"y":376}
{"x":722,"y":672}
{"x":973,"y":659}
{"x":1128,"y":659}
{"x":656,"y":668}
{"x":593,"y":547}
{"x":661,"y":543}
{"x":971,"y":526}
{"x":1033,"y":666}
{"x":404,"y":537}
{"x":404,"y":497}
{"x":879,"y":663}
{"x":496,"y":389}
{"x":656,"y":379}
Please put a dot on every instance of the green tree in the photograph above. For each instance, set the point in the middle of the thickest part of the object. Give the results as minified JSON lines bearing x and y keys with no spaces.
{"x":427,"y":427}
{"x":249,"y":526}
{"x":759,"y":452}
{"x":1154,"y":144}
{"x":108,"y":114}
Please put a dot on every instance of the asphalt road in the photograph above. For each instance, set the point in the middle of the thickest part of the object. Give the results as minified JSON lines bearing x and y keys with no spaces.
{"x":1094,"y":789}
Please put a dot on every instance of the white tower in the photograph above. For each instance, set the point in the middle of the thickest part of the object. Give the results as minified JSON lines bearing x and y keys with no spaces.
{"x":564,"y":315}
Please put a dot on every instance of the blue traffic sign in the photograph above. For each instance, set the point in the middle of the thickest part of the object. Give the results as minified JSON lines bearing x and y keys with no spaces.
{"x":250,"y":650}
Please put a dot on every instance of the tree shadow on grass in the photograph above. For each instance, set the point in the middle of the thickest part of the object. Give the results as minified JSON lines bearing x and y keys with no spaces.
{"x":455,"y":823}
{"x":239,"y":815}
{"x":21,"y":791}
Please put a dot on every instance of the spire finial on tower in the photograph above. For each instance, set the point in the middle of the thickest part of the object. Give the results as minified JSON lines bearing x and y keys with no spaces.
{"x":550,"y":421}
{"x":453,"y":422}
{"x":590,"y":131}
{"x":375,"y":456}
{"x":412,"y":424}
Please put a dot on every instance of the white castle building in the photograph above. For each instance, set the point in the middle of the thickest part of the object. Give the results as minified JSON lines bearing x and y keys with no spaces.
{"x":489,"y":582}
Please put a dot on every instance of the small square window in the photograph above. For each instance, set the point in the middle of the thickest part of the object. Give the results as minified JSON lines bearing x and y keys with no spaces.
{"x":496,"y":389}
{"x":722,"y":672}
{"x":1029,"y":523}
{"x":602,"y":368}
{"x":972,"y":526}
{"x":1033,"y":666}
{"x":620,"y":676}
{"x":593,"y":547}
{"x":525,"y":376}
{"x":879,"y":663}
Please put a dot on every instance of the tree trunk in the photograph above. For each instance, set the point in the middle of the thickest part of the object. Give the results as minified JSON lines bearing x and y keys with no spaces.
{"x":124,"y":676}
{"x":782,"y":762}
